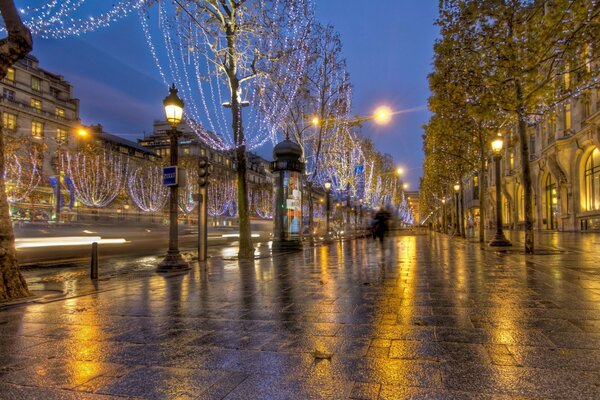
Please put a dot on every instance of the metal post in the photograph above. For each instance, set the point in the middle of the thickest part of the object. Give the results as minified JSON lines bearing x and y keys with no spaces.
{"x":173,"y":260}
{"x":202,"y":225}
{"x":457,"y":231}
{"x":57,"y":201}
{"x":444,"y":227}
{"x":94,"y":262}
{"x":499,"y":239}
{"x":327,"y":206}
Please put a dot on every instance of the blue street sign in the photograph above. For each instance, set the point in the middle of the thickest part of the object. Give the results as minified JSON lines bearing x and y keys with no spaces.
{"x":170,"y":176}
{"x":359,"y":169}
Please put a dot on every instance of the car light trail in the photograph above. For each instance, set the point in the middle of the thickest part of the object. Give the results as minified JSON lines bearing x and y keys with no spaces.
{"x":64,"y":241}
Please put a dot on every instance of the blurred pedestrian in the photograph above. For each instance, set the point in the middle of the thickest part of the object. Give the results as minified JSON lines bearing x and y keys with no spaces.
{"x":380,"y":224}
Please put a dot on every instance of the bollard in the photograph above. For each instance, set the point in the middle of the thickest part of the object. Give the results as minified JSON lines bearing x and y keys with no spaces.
{"x":94,"y":263}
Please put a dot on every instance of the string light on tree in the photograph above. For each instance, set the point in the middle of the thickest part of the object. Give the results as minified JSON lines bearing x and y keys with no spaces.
{"x":146,"y":188}
{"x":97,"y":177}
{"x":21,"y":172}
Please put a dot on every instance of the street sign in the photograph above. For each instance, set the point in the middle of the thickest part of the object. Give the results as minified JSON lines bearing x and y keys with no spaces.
{"x":170,"y":176}
{"x":359,"y":169}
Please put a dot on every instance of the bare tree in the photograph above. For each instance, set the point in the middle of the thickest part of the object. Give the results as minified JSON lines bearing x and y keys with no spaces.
{"x":320,"y":109}
{"x":12,"y":48}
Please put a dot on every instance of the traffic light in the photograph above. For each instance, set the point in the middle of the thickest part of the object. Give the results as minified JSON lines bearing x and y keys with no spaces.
{"x":203,"y":172}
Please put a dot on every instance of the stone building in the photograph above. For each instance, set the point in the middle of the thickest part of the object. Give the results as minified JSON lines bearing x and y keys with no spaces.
{"x":565,"y":166}
{"x":40,"y":120}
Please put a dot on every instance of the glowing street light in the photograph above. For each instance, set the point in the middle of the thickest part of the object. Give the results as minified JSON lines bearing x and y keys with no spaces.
{"x":174,"y":113}
{"x":382,"y":115}
{"x":499,"y":238}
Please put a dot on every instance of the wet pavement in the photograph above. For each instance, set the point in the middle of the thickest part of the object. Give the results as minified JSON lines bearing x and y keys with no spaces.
{"x":427,"y":316}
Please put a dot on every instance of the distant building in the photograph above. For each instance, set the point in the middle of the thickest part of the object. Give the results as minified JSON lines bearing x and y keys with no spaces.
{"x":38,"y":104}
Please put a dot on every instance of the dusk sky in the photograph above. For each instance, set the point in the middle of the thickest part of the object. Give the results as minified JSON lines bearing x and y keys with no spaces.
{"x":388,"y":47}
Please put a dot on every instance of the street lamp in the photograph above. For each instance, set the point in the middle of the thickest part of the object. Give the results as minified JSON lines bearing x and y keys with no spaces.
{"x":174,"y":114}
{"x":456,"y":190}
{"x":499,"y":238}
{"x":444,"y":226}
{"x":327,"y":205}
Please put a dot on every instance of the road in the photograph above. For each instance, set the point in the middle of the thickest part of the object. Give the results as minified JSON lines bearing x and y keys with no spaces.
{"x":48,"y":245}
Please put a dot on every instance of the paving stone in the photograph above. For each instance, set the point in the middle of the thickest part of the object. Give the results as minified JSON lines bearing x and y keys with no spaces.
{"x":430,"y":317}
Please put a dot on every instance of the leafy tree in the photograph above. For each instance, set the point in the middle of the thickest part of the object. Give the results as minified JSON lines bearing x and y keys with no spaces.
{"x":527,"y":56}
{"x":12,"y":48}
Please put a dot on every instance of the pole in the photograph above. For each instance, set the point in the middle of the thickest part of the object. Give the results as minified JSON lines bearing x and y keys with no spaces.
{"x":327,"y":205}
{"x":444,"y":227}
{"x":499,"y":239}
{"x":202,"y":225}
{"x":173,"y":260}
{"x":94,"y":262}
{"x":57,"y":200}
{"x":457,"y":215}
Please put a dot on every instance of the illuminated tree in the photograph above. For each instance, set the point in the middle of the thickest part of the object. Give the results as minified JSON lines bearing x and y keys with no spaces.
{"x":22,"y":160}
{"x":12,"y":48}
{"x":231,"y":47}
{"x":322,"y":105}
{"x":220,"y":194}
{"x":262,"y":200}
{"x":146,"y":188}
{"x":98,"y":176}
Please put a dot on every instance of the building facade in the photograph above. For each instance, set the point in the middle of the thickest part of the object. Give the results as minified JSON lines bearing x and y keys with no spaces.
{"x":565,"y":167}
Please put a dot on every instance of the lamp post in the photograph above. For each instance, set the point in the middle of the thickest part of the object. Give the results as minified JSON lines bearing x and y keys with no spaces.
{"x":327,"y":205}
{"x":499,"y":238}
{"x":456,"y":190}
{"x":444,"y":215}
{"x":174,"y":113}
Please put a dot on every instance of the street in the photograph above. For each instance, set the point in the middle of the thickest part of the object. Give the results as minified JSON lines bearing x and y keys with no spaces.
{"x":427,"y":316}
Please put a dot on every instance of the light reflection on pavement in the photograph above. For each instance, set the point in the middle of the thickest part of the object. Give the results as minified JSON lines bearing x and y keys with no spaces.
{"x":426,"y":316}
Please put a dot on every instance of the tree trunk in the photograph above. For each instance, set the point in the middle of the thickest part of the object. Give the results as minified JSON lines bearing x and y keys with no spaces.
{"x":12,"y":283}
{"x":462,"y":212}
{"x":311,"y":222}
{"x":246,"y":249}
{"x":525,"y":168}
{"x":482,"y":198}
{"x":12,"y":48}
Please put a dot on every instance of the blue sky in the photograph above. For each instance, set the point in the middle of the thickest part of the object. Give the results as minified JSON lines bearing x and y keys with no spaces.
{"x":388,"y":45}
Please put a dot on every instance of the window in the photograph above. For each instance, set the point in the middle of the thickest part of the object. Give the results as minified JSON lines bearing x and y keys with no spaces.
{"x":9,"y":121}
{"x":592,"y":181}
{"x":37,"y":104}
{"x":37,"y":129}
{"x":567,"y":116}
{"x":511,"y":160}
{"x":61,"y":136}
{"x":186,"y":150}
{"x":8,"y":94}
{"x":36,"y":84}
{"x":475,"y":187}
{"x":59,"y":112}
{"x":10,"y":75}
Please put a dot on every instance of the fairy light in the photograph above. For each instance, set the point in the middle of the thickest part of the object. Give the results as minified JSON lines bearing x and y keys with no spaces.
{"x":262,"y":202}
{"x":187,"y":48}
{"x":146,"y":188}
{"x":97,"y":178}
{"x":57,"y":20}
{"x":21,"y":174}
